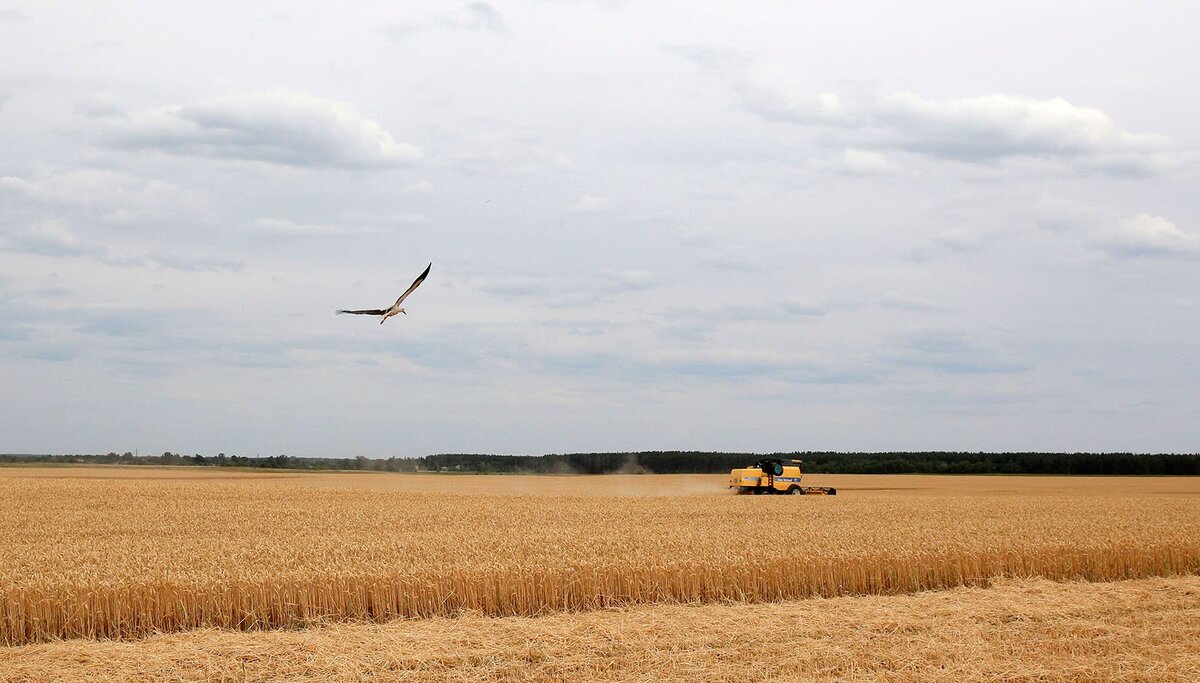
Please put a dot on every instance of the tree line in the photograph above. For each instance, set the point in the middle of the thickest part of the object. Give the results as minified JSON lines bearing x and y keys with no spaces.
{"x":682,"y":462}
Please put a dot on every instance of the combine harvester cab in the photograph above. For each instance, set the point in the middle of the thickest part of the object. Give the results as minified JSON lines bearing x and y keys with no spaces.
{"x":774,"y":475}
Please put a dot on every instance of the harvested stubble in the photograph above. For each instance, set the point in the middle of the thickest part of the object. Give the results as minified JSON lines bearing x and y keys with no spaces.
{"x":97,"y":557}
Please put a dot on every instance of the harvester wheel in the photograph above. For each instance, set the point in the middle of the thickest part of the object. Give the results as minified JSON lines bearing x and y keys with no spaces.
{"x":795,"y":491}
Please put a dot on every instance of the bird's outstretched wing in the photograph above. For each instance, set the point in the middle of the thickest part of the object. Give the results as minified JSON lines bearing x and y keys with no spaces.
{"x":416,"y":283}
{"x":365,"y":311}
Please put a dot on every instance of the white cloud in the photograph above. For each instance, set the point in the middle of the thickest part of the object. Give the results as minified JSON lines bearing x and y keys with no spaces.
{"x":996,"y":126}
{"x":283,"y":127}
{"x":420,"y":187}
{"x":47,"y":238}
{"x":388,"y":219}
{"x":771,"y":92}
{"x":481,"y":16}
{"x":473,"y":16}
{"x":1150,"y":236}
{"x":857,"y":162}
{"x":978,"y":129}
{"x":630,"y":279}
{"x":355,"y":223}
{"x":590,"y":203}
{"x":506,"y":153}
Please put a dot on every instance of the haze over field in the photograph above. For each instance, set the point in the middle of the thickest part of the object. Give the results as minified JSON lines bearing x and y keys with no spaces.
{"x":671,"y":226}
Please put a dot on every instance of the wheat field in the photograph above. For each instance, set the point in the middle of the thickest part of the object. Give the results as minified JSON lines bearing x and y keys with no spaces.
{"x":123,"y":552}
{"x":1140,"y":631}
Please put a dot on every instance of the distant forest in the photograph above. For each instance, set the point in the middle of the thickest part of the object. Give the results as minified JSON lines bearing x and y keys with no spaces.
{"x":681,"y":462}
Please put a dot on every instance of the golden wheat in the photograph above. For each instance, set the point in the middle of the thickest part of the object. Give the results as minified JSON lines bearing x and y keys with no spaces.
{"x":87,"y":553}
{"x":1146,"y":630}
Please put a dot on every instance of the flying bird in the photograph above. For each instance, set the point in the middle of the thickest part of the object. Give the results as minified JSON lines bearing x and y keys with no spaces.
{"x":389,"y":312}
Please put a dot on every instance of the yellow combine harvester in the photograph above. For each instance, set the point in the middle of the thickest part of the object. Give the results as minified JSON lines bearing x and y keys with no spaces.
{"x":773,"y":475}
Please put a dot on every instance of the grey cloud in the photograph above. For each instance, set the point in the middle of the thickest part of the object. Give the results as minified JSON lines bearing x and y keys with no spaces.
{"x":483,"y":17}
{"x":126,"y":323}
{"x":189,"y":260}
{"x":734,"y":258}
{"x":711,"y":56}
{"x":99,"y":106}
{"x":375,"y":220}
{"x":958,"y":239}
{"x":141,"y":340}
{"x":47,"y":238}
{"x":289,"y":128}
{"x":56,"y":239}
{"x":14,"y":16}
{"x":592,"y":327}
{"x":738,"y":366}
{"x":803,"y":309}
{"x":10,"y":333}
{"x":947,"y":352}
{"x":1063,"y":216}
{"x":397,"y":32}
{"x":111,"y":196}
{"x":732,"y":366}
{"x":54,"y":352}
{"x":286,"y":228}
{"x":637,"y":364}
{"x":695,"y":324}
{"x":55,"y":292}
{"x":896,"y":300}
{"x":961,"y":366}
{"x":741,"y":313}
{"x":935,"y":341}
{"x":732,"y":264}
{"x":575,"y":290}
{"x":694,"y":238}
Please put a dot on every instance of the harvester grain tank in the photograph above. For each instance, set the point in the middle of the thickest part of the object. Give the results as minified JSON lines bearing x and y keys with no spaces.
{"x":775,"y":475}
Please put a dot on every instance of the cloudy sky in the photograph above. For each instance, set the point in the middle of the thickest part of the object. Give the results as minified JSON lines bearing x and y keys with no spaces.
{"x":744,"y":226}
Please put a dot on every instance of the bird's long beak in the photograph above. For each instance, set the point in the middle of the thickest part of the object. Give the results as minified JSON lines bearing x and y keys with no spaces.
{"x":404,"y":311}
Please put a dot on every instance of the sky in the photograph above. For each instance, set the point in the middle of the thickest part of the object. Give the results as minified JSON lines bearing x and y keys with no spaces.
{"x":750,"y":226}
